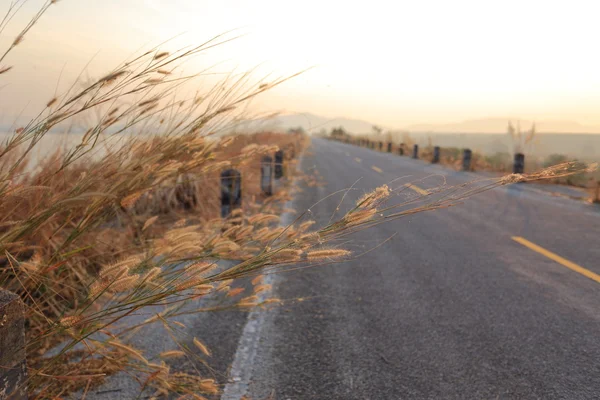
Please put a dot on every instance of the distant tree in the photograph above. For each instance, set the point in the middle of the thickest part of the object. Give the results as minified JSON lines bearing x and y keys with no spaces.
{"x":338,"y":132}
{"x":554,"y":159}
{"x":297,"y":129}
{"x":377,"y":130}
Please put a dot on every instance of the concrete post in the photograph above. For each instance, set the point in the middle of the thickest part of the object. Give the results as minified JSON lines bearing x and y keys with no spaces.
{"x":278,"y":164}
{"x":467,"y":155}
{"x":266,"y":176}
{"x":519,"y":164}
{"x":13,"y":367}
{"x":436,"y":155}
{"x":231,"y":191}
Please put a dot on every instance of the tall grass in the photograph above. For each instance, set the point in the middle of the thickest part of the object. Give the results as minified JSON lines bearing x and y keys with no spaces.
{"x":91,"y":237}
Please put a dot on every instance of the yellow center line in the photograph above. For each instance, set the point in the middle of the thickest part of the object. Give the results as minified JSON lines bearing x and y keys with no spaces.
{"x":357,"y":159}
{"x":555,"y":257}
{"x":417,"y":189}
{"x":374,"y":168}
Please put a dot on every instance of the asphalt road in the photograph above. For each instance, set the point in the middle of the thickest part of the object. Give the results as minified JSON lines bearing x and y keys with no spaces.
{"x":451,"y":307}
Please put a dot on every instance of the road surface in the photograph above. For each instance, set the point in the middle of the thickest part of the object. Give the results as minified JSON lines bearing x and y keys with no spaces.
{"x":492,"y":299}
{"x":452,"y":307}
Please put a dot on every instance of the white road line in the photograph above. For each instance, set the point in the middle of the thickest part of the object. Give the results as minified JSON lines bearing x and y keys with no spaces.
{"x":243,"y":361}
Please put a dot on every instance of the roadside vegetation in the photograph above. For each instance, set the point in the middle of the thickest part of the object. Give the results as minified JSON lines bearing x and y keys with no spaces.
{"x":127,"y":220}
{"x":498,"y":163}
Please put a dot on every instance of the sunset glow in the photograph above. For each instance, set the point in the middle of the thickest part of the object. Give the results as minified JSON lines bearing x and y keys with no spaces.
{"x":393,"y":63}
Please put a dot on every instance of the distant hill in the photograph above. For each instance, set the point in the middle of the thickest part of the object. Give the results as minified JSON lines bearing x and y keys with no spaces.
{"x":498,"y":125}
{"x":311,"y":123}
{"x":484,"y":135}
{"x":314,"y":123}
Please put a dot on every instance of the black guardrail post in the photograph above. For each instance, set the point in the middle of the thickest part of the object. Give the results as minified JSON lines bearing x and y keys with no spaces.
{"x":13,"y":374}
{"x":231,"y":191}
{"x":266,"y":176}
{"x":416,"y":151}
{"x":436,"y":155}
{"x":519,"y":164}
{"x":401,"y":149}
{"x":389,"y":147}
{"x":467,"y":155}
{"x":380,"y":146}
{"x":278,"y":164}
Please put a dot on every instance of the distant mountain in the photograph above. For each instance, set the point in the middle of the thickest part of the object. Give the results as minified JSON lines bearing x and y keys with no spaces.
{"x":314,"y":123}
{"x":498,"y":125}
{"x":311,"y":123}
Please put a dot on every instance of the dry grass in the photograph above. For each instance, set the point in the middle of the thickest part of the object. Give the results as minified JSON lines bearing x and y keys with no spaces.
{"x":94,"y":237}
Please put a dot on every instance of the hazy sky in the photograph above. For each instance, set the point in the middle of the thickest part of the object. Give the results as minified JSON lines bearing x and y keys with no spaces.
{"x":390,"y":62}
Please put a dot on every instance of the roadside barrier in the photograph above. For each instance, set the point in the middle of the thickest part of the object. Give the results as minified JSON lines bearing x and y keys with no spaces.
{"x":466,"y":162}
{"x":467,"y":165}
{"x":436,"y":155}
{"x":519,"y":163}
{"x":13,"y":366}
{"x":231,"y":191}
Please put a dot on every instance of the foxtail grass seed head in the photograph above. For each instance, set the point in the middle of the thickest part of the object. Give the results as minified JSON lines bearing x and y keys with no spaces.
{"x":248,"y":302}
{"x":149,"y":222}
{"x":375,"y":197}
{"x":244,"y":233}
{"x":113,"y":76}
{"x":238,"y":212}
{"x":225,"y":247}
{"x":129,"y":350}
{"x":224,"y":283}
{"x":235,"y":291}
{"x":51,"y":102}
{"x":180,"y":223}
{"x":202,"y":347}
{"x":287,"y":255}
{"x":305,"y":225}
{"x":262,"y":288}
{"x":152,"y":274}
{"x":193,"y":283}
{"x":199,"y":267}
{"x":130,"y":200}
{"x":258,"y":279}
{"x":114,"y":271}
{"x":208,"y":386}
{"x":512,"y":178}
{"x":310,"y":238}
{"x":98,"y":287}
{"x":172,"y":354}
{"x":260,"y":219}
{"x":18,"y":40}
{"x":360,"y":216}
{"x":327,"y":254}
{"x":274,"y":234}
{"x":161,"y":55}
{"x":124,"y":284}
{"x":70,"y":322}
